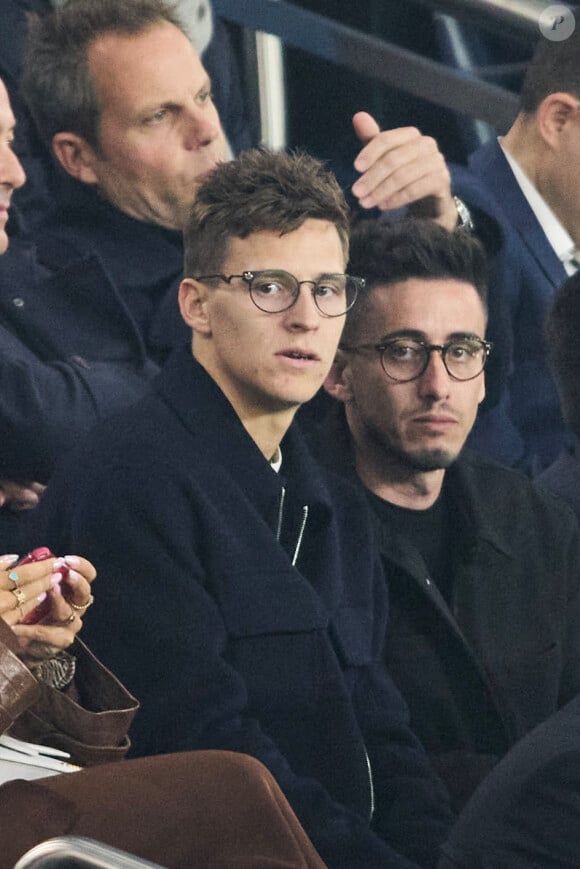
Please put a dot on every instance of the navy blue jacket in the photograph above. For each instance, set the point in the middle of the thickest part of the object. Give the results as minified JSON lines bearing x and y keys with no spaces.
{"x":69,"y":356}
{"x":527,"y":428}
{"x":202,"y":614}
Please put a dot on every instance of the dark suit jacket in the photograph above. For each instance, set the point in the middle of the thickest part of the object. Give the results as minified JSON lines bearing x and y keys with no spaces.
{"x":526,"y":814}
{"x":527,"y":428}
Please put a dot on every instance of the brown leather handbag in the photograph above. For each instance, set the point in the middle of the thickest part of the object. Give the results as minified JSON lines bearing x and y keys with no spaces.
{"x":89,"y":719}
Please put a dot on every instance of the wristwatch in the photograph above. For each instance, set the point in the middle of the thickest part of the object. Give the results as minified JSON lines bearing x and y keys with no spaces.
{"x":464,"y":219}
{"x":57,"y":672}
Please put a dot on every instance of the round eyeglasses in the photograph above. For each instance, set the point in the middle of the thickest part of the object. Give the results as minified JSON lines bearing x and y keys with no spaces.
{"x":274,"y":291}
{"x":406,"y":359}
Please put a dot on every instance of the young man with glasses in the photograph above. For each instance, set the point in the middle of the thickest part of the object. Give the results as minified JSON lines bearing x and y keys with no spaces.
{"x":253,"y":615}
{"x":484,"y":636}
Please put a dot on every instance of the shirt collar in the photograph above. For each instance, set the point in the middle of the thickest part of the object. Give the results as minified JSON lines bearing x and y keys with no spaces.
{"x":557,"y":235}
{"x":276,"y":460}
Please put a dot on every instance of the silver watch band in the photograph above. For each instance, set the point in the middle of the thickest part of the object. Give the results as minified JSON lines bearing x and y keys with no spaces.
{"x":464,"y":218}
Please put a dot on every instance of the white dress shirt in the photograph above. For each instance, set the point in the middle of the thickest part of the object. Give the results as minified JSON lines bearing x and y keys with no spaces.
{"x":557,"y":235}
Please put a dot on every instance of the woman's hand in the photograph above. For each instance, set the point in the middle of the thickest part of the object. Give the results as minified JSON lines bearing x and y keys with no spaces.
{"x":23,"y":587}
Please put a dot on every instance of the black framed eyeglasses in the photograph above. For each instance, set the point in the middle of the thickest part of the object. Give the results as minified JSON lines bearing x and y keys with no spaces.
{"x":406,"y":359}
{"x":274,"y":291}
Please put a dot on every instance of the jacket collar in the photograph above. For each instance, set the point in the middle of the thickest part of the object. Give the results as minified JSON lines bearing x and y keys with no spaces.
{"x":476,"y":517}
{"x":206,"y":412}
{"x":28,"y":293}
{"x":18,"y":267}
{"x":81,"y":210}
{"x":499,"y":176}
{"x":313,"y":538}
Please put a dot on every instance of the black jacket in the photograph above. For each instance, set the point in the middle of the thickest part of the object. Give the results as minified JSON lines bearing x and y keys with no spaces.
{"x":228,"y":645}
{"x":481,"y":673}
{"x":562,"y":478}
{"x":143,"y":263}
{"x":70,"y":355}
{"x":525,"y":815}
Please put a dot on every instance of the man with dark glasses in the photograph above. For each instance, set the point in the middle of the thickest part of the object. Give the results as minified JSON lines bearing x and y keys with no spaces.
{"x":484,"y":636}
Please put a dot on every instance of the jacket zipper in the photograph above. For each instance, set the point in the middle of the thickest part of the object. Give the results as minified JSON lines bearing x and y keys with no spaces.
{"x":300,"y":534}
{"x":302,"y":525}
{"x":280,"y":513}
{"x":371,"y":785}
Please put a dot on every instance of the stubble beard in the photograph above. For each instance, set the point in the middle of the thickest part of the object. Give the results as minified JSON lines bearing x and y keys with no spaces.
{"x":429,"y":460}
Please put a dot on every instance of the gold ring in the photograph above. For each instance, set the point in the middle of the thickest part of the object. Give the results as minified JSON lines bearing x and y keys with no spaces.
{"x":14,"y":577}
{"x":19,"y":595}
{"x":83,"y":606}
{"x":68,"y":620}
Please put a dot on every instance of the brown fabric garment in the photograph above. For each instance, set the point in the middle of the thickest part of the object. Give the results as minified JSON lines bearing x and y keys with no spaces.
{"x":210,"y":809}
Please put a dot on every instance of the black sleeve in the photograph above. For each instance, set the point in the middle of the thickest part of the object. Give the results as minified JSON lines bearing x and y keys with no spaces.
{"x":44,"y":407}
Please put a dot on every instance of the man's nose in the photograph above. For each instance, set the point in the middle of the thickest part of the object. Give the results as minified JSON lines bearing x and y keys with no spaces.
{"x":304,"y":314}
{"x":202,"y":126}
{"x":435,"y":380}
{"x":11,"y":172}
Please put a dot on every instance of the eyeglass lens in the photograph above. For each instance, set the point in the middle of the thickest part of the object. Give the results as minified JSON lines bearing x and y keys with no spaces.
{"x":275,"y":291}
{"x":406,"y":359}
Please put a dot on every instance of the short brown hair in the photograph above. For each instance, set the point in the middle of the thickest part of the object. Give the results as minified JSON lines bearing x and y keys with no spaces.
{"x":259,"y":191}
{"x":56,"y":82}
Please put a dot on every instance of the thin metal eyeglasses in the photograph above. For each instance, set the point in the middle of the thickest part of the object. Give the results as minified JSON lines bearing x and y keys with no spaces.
{"x":274,"y":291}
{"x":406,"y":359}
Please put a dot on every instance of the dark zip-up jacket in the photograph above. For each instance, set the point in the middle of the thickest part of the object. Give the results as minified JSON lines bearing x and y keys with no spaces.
{"x":481,"y":672}
{"x":226,"y":643}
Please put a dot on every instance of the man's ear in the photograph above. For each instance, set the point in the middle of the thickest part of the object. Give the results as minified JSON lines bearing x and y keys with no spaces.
{"x":192,"y":298}
{"x":553,"y":114}
{"x":75,"y":156}
{"x":337,"y":381}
